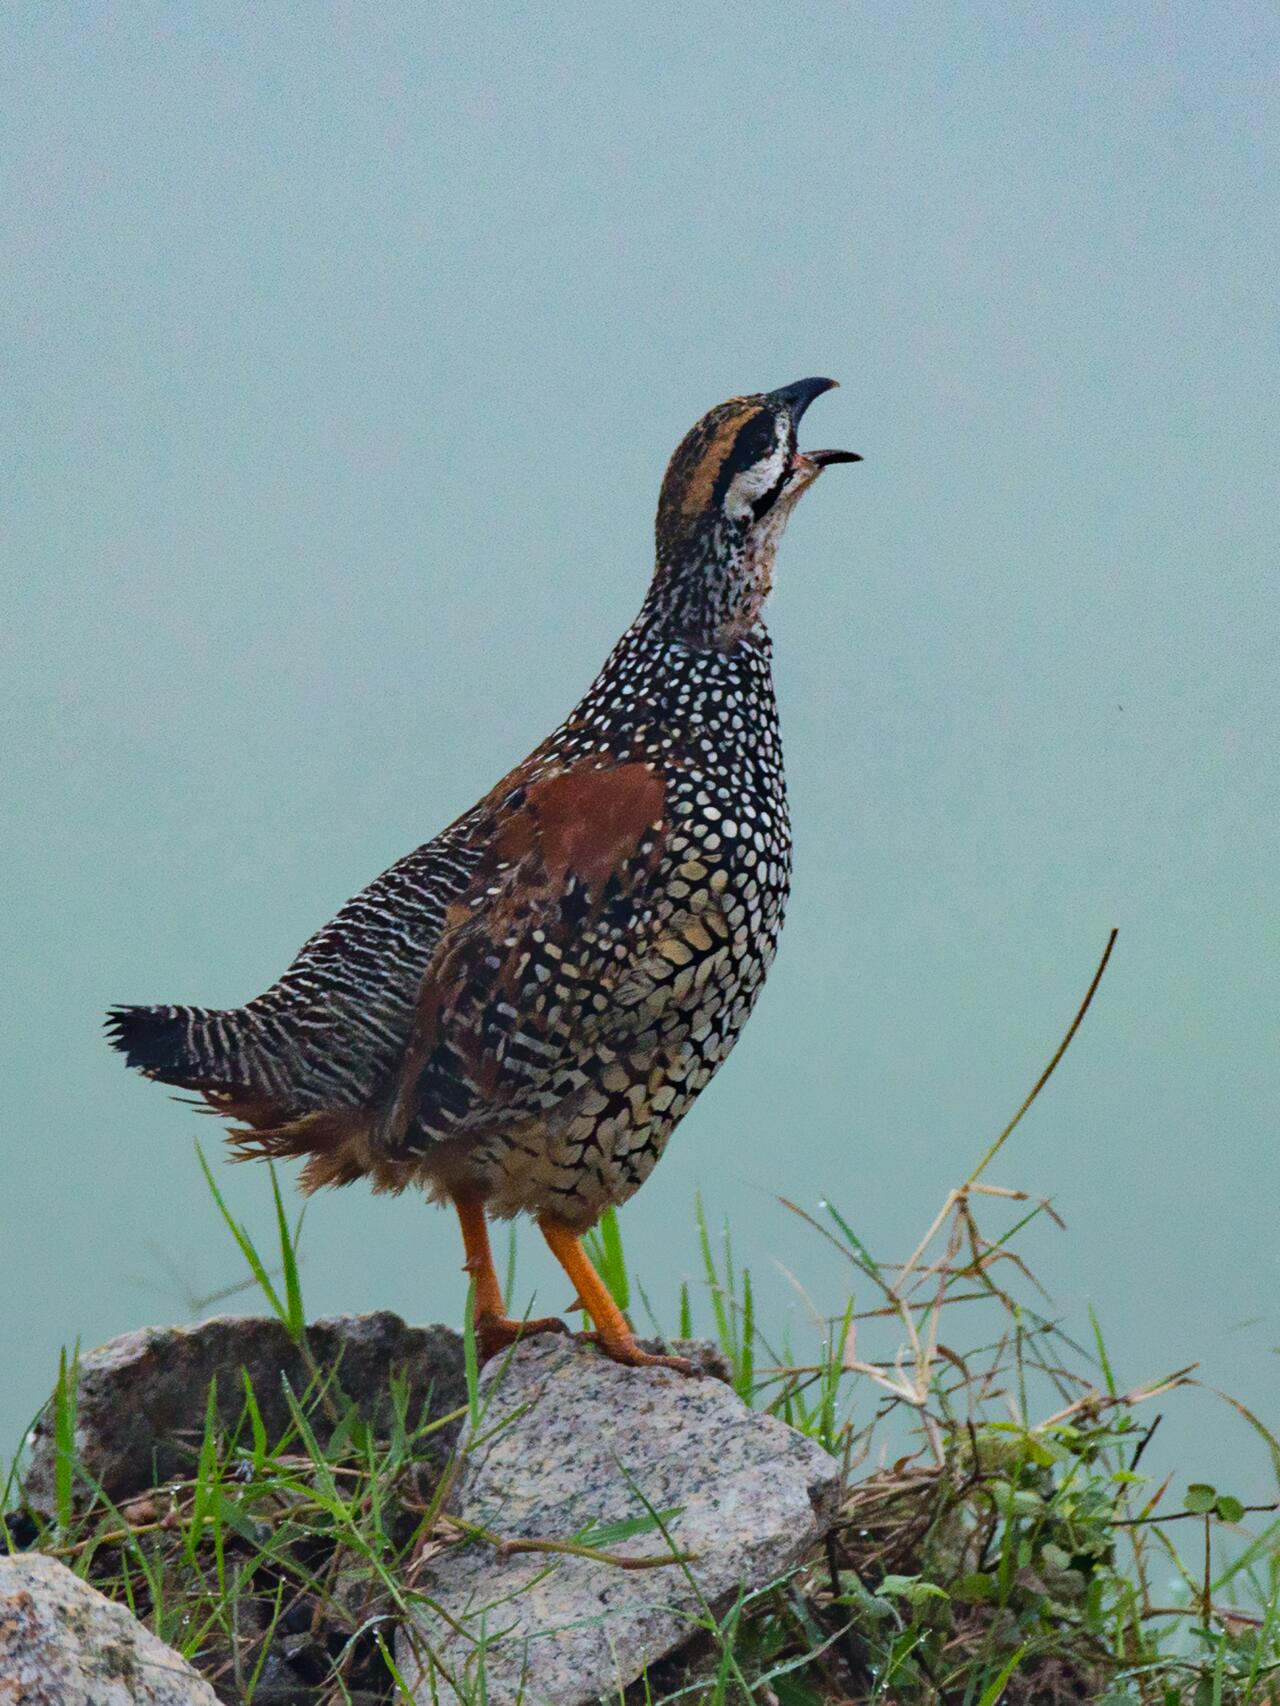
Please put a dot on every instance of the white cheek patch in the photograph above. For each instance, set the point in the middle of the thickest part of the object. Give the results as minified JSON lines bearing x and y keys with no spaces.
{"x":755,"y":481}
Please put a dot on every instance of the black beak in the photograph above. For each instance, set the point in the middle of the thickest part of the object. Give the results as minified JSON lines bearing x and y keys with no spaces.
{"x":797,"y":398}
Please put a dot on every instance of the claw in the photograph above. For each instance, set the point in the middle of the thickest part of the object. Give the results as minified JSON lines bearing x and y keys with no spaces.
{"x":495,"y":1333}
{"x":628,"y":1353}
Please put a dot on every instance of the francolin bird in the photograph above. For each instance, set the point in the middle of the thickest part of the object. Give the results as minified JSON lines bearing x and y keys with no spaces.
{"x":516,"y":1016}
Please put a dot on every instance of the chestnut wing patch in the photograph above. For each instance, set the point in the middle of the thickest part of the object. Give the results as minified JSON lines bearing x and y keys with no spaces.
{"x":530,"y":954}
{"x":584,"y":823}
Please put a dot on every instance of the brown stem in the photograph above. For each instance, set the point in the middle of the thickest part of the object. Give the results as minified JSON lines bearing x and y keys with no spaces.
{"x":1206,"y":1596}
{"x":505,"y":1547}
{"x":1179,"y":1516}
{"x":1062,"y":1048}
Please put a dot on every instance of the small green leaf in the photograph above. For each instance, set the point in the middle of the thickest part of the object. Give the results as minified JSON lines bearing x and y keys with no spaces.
{"x":911,"y":1588}
{"x":1230,"y":1509}
{"x":1200,"y":1497}
{"x":853,"y":1592}
{"x":1013,"y":1501}
{"x":974,"y":1589}
{"x":1042,"y":1455}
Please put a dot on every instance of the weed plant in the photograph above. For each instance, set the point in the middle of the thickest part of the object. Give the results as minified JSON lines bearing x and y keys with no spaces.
{"x":998,"y":1538}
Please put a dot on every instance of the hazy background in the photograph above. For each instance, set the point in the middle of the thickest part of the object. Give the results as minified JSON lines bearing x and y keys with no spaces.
{"x":344,"y":347}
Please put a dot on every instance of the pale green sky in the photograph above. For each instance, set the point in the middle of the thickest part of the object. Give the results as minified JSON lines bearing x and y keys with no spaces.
{"x":343,"y":350}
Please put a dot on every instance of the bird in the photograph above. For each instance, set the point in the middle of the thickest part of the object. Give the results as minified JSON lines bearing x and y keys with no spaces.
{"x":515,"y":1016}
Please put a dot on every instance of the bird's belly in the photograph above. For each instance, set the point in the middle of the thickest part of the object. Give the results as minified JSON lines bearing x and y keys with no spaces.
{"x":596,"y":1144}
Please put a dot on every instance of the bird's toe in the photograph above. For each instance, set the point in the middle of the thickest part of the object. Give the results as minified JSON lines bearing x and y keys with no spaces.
{"x":495,"y":1333}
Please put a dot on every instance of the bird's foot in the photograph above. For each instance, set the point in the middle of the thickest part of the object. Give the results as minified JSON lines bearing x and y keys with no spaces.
{"x":629,"y":1354}
{"x":495,"y":1333}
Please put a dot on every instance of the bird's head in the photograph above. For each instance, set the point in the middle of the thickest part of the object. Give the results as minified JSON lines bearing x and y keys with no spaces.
{"x":726,"y":497}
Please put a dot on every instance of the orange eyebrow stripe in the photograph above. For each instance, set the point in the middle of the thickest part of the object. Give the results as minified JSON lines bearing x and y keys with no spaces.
{"x":705,"y":472}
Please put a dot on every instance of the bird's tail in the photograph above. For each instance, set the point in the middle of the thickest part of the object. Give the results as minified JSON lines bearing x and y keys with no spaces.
{"x":216,"y":1052}
{"x":193,"y":1047}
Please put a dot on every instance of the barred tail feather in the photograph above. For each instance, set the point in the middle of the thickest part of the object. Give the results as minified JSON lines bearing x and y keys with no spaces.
{"x":188,"y":1046}
{"x":211,"y":1050}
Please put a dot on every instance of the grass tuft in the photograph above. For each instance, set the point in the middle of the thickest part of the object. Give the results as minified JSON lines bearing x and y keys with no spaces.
{"x":998,"y":1538}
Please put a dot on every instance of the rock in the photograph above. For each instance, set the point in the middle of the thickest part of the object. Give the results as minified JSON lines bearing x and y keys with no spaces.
{"x":752,"y":1496}
{"x":63,"y":1644}
{"x":141,"y":1398}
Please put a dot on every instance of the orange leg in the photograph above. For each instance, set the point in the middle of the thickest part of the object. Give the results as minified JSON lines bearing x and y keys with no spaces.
{"x":612,"y":1333}
{"x":495,"y":1329}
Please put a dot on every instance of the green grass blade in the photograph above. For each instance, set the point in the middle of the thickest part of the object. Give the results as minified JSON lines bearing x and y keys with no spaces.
{"x":745,"y":1380}
{"x":994,"y":1689}
{"x":246,"y":1244}
{"x":206,"y":1477}
{"x":610,"y":1533}
{"x":851,"y":1237}
{"x":256,"y":1424}
{"x":509,"y":1289}
{"x":65,"y":1397}
{"x":1104,"y":1361}
{"x":614,"y":1268}
{"x":403,"y":1691}
{"x":295,"y":1318}
{"x":471,"y":1358}
{"x":723,"y":1332}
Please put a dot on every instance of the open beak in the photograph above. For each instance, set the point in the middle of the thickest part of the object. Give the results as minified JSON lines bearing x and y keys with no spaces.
{"x":797,"y":398}
{"x":824,"y":458}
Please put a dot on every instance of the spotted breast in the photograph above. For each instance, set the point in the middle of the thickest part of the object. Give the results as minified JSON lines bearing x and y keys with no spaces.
{"x":516,"y":1016}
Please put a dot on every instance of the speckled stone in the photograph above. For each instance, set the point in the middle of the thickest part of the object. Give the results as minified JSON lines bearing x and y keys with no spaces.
{"x":752,"y":1497}
{"x":63,"y":1644}
{"x":141,"y":1398}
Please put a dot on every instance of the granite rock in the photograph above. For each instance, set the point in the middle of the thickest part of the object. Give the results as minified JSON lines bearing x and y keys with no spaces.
{"x":141,"y":1398}
{"x":63,"y":1644}
{"x":585,"y":1438}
